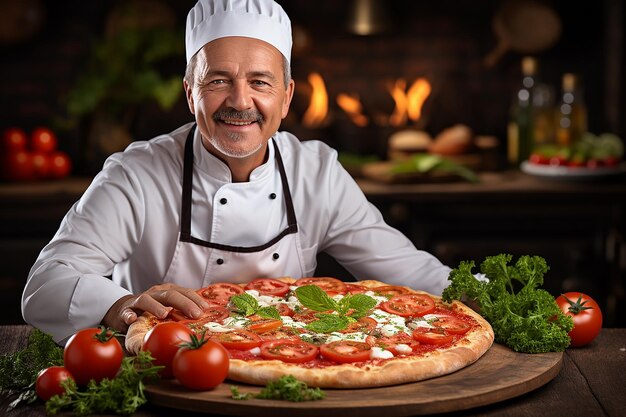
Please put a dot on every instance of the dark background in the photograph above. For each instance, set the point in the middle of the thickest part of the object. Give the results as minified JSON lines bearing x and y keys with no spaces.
{"x":444,"y":41}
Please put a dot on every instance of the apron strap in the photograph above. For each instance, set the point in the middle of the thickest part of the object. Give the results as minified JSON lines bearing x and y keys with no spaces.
{"x":185,"y":215}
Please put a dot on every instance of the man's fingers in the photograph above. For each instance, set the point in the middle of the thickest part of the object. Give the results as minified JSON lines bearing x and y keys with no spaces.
{"x":183,"y":303}
{"x":129,"y":316}
{"x":146,"y":302}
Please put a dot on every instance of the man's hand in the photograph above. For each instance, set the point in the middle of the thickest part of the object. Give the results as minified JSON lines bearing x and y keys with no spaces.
{"x":158,"y":300}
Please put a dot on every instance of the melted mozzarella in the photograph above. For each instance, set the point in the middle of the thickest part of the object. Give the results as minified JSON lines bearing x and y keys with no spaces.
{"x":380,"y":353}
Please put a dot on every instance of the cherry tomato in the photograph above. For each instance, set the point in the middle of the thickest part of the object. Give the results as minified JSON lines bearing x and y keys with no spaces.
{"x":214,"y":313}
{"x":163,"y":341}
{"x":262,"y":325}
{"x":220,"y":293}
{"x":43,"y":140}
{"x":48,"y":383}
{"x":42,"y":165}
{"x":586,"y":314}
{"x":238,"y":339}
{"x":18,"y":166}
{"x":201,"y":367}
{"x":332,"y":286}
{"x":436,"y":336}
{"x":92,"y":354}
{"x":14,"y":139}
{"x":288,"y":350}
{"x":391,"y":342}
{"x":537,"y":158}
{"x":391,"y":290}
{"x":346,"y":351}
{"x":409,"y":305}
{"x":268,"y":286}
{"x":363,"y":325}
{"x":452,"y":325}
{"x":61,"y":165}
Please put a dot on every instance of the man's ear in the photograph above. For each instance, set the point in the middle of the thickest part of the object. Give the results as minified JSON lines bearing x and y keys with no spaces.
{"x":189,"y":96}
{"x":288,"y":97}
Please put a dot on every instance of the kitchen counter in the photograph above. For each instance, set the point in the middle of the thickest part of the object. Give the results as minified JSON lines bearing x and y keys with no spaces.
{"x":591,"y":383}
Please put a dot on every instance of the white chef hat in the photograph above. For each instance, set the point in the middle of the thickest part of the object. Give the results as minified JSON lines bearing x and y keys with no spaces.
{"x":259,"y":19}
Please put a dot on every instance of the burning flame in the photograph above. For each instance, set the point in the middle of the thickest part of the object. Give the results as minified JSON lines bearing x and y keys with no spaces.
{"x":408,"y":104}
{"x":318,"y":107}
{"x":353,"y":108}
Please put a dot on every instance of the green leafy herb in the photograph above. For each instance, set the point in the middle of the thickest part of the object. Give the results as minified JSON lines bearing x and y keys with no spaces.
{"x":286,"y":387}
{"x":424,"y":163}
{"x":523,"y":316}
{"x":248,"y":305}
{"x":121,"y":395}
{"x":348,"y":309}
{"x":19,"y":370}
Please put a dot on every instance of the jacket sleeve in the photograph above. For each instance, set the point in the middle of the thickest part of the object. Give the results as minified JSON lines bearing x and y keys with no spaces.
{"x":360,"y":240}
{"x":68,"y":287}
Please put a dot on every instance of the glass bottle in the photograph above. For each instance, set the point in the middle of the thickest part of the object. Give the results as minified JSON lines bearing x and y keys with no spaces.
{"x":571,"y":112}
{"x":520,"y":129}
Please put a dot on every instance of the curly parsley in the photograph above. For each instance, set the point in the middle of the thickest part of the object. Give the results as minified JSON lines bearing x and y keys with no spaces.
{"x":286,"y":387}
{"x":523,"y":316}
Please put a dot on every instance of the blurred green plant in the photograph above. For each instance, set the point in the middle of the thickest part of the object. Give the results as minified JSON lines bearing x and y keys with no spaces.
{"x":126,"y":70}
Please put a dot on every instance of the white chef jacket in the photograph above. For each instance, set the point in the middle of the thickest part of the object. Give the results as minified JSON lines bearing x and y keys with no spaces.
{"x":119,"y":238}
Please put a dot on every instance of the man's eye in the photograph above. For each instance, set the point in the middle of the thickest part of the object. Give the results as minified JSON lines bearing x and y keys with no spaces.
{"x":259,"y":83}
{"x":217,"y":82}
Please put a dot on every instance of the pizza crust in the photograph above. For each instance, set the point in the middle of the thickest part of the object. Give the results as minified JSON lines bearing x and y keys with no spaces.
{"x":392,"y":371}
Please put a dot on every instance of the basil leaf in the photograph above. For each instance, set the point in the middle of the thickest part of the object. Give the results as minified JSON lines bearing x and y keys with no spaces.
{"x":245,"y":303}
{"x":314,"y":298}
{"x":328,"y":323}
{"x":361,"y":303}
{"x":269,"y":312}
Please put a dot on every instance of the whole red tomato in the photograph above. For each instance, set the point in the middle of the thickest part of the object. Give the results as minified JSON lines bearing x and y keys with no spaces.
{"x":49,"y":380}
{"x":61,"y":165}
{"x":43,"y":140}
{"x":201,"y":364}
{"x":42,"y":165}
{"x":14,"y":139}
{"x":163,"y":341}
{"x":586,"y":314}
{"x":93,"y":353}
{"x":18,"y":166}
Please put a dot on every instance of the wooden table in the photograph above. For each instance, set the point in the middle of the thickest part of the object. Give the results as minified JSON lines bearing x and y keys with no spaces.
{"x":591,"y":383}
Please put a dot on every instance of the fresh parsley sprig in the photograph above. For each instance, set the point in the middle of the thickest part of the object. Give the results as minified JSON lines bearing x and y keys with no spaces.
{"x":287,"y":387}
{"x":524,"y":316}
{"x":120,"y":395}
{"x":247,"y":305}
{"x":348,"y":310}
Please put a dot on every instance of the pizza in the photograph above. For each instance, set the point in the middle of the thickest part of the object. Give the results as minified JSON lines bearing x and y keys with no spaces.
{"x":333,"y":334}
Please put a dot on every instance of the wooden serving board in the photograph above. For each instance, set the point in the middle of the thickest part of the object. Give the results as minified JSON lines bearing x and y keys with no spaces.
{"x":499,"y":375}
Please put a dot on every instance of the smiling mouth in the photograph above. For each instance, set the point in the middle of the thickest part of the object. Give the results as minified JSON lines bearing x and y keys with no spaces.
{"x":238,"y":122}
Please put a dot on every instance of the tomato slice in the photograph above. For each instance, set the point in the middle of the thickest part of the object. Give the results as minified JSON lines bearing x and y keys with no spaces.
{"x":346,"y":351}
{"x":332,"y":286}
{"x":268,"y":286}
{"x":391,"y":290}
{"x":409,"y":305}
{"x":288,"y":350}
{"x":281,"y":333}
{"x":214,"y":313}
{"x":284,"y":309}
{"x":390,"y":342}
{"x":260,"y":325}
{"x":364,"y":325}
{"x":355,"y":289}
{"x":220,"y":293}
{"x":432,"y":336}
{"x":452,"y":325}
{"x":238,"y":339}
{"x":306,"y":315}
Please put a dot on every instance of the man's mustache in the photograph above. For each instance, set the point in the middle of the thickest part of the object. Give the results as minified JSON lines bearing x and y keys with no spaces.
{"x":245,"y":115}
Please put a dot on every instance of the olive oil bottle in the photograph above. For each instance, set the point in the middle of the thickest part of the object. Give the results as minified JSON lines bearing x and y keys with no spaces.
{"x":520,"y":128}
{"x":571,"y":112}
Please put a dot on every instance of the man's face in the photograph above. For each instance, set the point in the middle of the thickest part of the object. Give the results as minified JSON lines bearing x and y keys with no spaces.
{"x":239,"y":96}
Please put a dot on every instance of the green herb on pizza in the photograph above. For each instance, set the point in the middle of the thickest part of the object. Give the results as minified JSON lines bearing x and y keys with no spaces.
{"x":524,"y":316}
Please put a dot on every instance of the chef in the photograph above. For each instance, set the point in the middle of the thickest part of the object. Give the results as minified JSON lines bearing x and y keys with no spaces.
{"x":226,"y":198}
